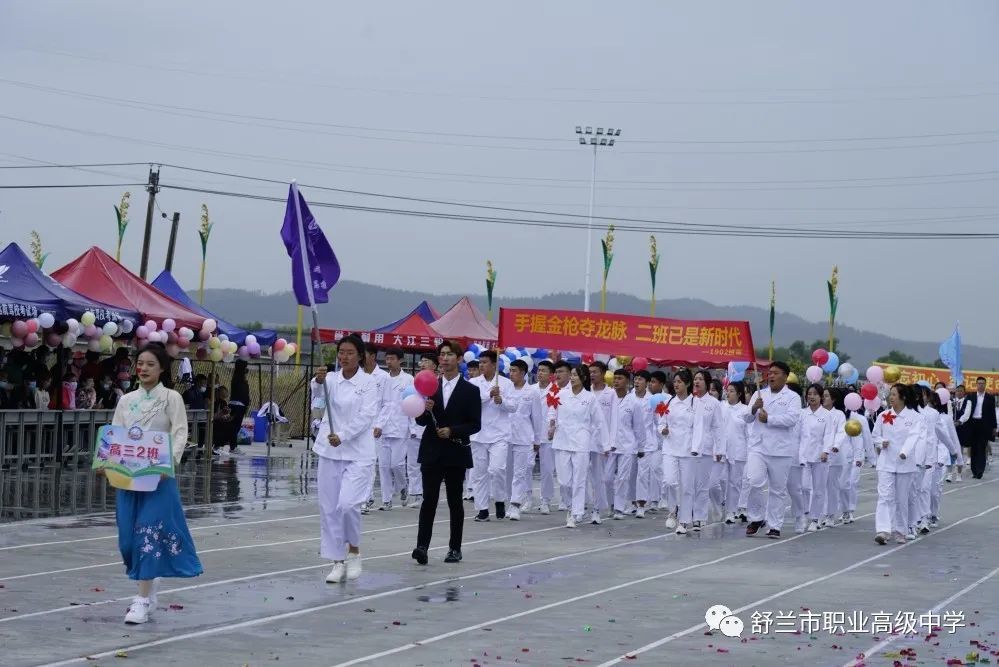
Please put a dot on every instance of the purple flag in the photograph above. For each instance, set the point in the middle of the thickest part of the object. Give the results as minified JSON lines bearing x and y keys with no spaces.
{"x":323,"y":269}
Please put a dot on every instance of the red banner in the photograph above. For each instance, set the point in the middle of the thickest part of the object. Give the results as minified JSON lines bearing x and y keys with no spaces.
{"x":406,"y":342}
{"x":667,"y":342}
{"x":914,"y":374}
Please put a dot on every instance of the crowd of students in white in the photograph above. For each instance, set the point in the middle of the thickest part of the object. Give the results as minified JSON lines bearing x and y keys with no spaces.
{"x":691,"y":449}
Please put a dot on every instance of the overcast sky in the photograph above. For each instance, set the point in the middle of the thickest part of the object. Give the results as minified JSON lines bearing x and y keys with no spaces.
{"x":781,"y":114}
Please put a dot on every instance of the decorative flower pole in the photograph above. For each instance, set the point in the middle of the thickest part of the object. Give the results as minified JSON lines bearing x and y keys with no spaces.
{"x":36,"y":250}
{"x":653,"y":270}
{"x":490,"y":284}
{"x":773,"y":316}
{"x":832,"y":284}
{"x":121,"y":212}
{"x":204,"y":232}
{"x":607,"y":243}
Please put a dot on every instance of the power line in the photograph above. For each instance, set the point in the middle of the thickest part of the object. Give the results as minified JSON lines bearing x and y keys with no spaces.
{"x":69,"y":186}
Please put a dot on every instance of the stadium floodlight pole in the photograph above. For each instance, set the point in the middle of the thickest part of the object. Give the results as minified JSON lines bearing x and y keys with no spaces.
{"x":599,"y":138}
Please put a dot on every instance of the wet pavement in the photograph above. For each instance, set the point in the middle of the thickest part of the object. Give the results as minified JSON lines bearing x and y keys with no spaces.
{"x":528,"y":593}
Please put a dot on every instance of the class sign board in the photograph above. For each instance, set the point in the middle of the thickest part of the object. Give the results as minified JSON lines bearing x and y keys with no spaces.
{"x":661,"y":340}
{"x":133,"y":459}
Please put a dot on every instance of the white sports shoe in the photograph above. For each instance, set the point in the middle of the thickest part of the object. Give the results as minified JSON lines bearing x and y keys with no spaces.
{"x":514,"y":514}
{"x":671,"y":522}
{"x":337,"y":574}
{"x":353,"y":566}
{"x":414,"y":501}
{"x":681,"y":529}
{"x":640,"y":513}
{"x":562,"y":507}
{"x":544,"y":508}
{"x":618,"y":516}
{"x":813,"y":526}
{"x":138,"y":611}
{"x":570,"y":520}
{"x":800,"y":524}
{"x":595,"y":518}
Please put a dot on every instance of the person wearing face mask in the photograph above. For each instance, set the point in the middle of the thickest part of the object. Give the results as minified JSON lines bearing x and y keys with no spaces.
{"x":106,"y":397}
{"x":69,"y":386}
{"x":196,"y":397}
{"x":86,"y":395}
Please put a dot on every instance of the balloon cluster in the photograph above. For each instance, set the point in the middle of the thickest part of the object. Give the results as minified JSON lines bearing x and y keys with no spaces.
{"x":282,"y":350}
{"x":46,"y":329}
{"x":424,"y":386}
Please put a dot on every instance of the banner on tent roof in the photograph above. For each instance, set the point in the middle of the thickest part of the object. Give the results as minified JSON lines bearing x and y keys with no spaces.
{"x":705,"y":342}
{"x":422,"y":343}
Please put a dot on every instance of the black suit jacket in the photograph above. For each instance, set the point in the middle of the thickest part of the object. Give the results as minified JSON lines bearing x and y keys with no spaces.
{"x":464,"y":417}
{"x":988,"y":409}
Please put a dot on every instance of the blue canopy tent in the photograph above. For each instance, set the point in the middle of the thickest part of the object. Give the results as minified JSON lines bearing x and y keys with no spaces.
{"x":26,"y":292}
{"x":166,"y":283}
{"x":424,"y":311}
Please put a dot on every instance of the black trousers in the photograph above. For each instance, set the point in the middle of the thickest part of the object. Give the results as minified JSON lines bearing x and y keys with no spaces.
{"x":453,"y":479}
{"x":980,"y":435}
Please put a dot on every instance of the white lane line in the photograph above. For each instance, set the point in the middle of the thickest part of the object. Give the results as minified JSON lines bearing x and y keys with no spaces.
{"x":756,"y":603}
{"x":262,"y":575}
{"x":869,"y":653}
{"x":364,"y":598}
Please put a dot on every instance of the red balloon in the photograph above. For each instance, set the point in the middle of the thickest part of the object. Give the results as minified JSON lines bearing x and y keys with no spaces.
{"x":820,"y":357}
{"x":869,"y":391}
{"x":425,"y":383}
{"x":639,"y":364}
{"x":587,"y":359}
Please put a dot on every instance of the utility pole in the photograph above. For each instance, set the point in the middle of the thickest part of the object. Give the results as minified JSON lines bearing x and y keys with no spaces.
{"x":587,"y":137}
{"x":173,"y":240}
{"x":152,"y":187}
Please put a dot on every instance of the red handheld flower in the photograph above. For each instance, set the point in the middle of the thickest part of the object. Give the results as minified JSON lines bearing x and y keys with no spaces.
{"x":888,"y":418}
{"x":553,"y":400}
{"x":662,"y":409}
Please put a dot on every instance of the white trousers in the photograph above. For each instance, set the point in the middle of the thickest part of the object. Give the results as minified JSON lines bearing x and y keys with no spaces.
{"x":546,"y":461}
{"x":414,"y":477}
{"x":796,"y":492}
{"x":624,"y":488}
{"x":918,"y":496}
{"x":819,"y":474}
{"x":597,"y":485}
{"x":521,"y":472}
{"x":762,"y":471}
{"x":572,"y":468}
{"x":834,"y":484}
{"x":342,"y":487}
{"x":703,"y":466}
{"x":737,"y":495}
{"x":892,"y":512}
{"x":848,"y":487}
{"x":610,"y":475}
{"x":717,"y":483}
{"x":670,"y":482}
{"x":488,"y":473}
{"x":690,"y":476}
{"x":391,"y":466}
{"x":936,"y":490}
{"x":648,"y":477}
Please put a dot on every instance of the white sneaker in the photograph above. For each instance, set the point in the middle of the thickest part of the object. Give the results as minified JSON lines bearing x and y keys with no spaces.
{"x":138,"y":611}
{"x":800,"y":524}
{"x":850,"y":518}
{"x":414,"y":502}
{"x":514,"y":514}
{"x":237,"y":452}
{"x":386,"y":507}
{"x":403,"y":497}
{"x":911,"y":535}
{"x":731,"y":518}
{"x":813,"y":526}
{"x":353,"y":566}
{"x":640,"y":513}
{"x":562,"y":507}
{"x":618,"y":516}
{"x":570,"y":520}
{"x":337,"y":574}
{"x":681,"y":529}
{"x":595,"y":518}
{"x":671,"y":522}
{"x":934,"y":522}
{"x":544,"y":508}
{"x":364,"y":508}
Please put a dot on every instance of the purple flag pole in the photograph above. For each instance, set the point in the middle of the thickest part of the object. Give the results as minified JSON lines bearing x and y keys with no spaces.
{"x":306,"y":271}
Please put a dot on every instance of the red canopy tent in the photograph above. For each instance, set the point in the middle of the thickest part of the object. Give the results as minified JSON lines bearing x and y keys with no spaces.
{"x":466,"y":323}
{"x":97,"y":275}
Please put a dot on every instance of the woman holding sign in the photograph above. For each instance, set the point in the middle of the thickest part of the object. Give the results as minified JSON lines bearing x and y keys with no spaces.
{"x":152,"y":533}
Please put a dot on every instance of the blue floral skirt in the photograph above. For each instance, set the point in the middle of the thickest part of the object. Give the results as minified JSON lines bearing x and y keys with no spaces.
{"x":152,"y":534}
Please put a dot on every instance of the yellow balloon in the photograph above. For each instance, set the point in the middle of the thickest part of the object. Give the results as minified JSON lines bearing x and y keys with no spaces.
{"x":892,"y":374}
{"x":609,"y":377}
{"x":792,"y":378}
{"x":853,"y":428}
{"x":214,"y":343}
{"x":106,"y":343}
{"x":623,"y":360}
{"x":87,"y":319}
{"x":215,"y":355}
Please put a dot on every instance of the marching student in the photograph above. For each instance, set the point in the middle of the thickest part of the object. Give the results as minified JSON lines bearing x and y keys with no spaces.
{"x":774,"y":414}
{"x":735,"y":438}
{"x":679,"y":469}
{"x":601,"y":485}
{"x":473,"y":371}
{"x":414,"y":475}
{"x":926,"y":457}
{"x":832,"y":400}
{"x":490,"y":444}
{"x":628,"y":430}
{"x":857,"y":450}
{"x":706,"y":447}
{"x":947,"y":435}
{"x":562,"y":372}
{"x":392,"y":429}
{"x":660,"y":496}
{"x":897,"y":432}
{"x":578,"y":426}
{"x":346,"y":450}
{"x":815,"y":448}
{"x":526,"y":425}
{"x":472,"y":367}
{"x":546,"y":457}
{"x":647,"y":486}
{"x":380,"y":377}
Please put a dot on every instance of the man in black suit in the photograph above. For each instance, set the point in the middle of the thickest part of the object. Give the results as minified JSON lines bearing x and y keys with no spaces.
{"x":982,"y":426}
{"x":452,"y":415}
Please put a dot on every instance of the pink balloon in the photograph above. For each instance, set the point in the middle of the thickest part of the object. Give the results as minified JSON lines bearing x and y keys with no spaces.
{"x":425,"y":383}
{"x":253,"y":349}
{"x":814,"y":373}
{"x":944,"y":395}
{"x":141,"y":331}
{"x":243,"y":353}
{"x":204,"y":335}
{"x":169,"y":325}
{"x":279,"y":344}
{"x":875,"y":374}
{"x":90,"y":331}
{"x":853,"y":401}
{"x":413,"y":406}
{"x":151,"y":325}
{"x":183,"y":343}
{"x":32,"y":325}
{"x":639,"y":364}
{"x":872,"y":405}
{"x":31,"y":340}
{"x":19,"y":329}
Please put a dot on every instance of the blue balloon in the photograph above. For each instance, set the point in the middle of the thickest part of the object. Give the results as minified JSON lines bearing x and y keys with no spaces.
{"x":655,"y":400}
{"x":833,"y":363}
{"x":740,"y":366}
{"x":409,"y":391}
{"x":475,"y":348}
{"x":511,"y":356}
{"x":924,"y":383}
{"x":571,"y":357}
{"x":463,"y":367}
{"x":737,"y":376}
{"x":853,"y":377}
{"x":540,"y":353}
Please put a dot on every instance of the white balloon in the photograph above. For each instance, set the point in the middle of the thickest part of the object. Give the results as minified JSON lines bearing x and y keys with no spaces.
{"x":250,"y":340}
{"x":209,"y":325}
{"x":223,"y":338}
{"x":613,"y":364}
{"x":530,"y":362}
{"x":127,"y":326}
{"x":46,"y":320}
{"x":73,"y":326}
{"x":94,"y":345}
{"x":110,"y":328}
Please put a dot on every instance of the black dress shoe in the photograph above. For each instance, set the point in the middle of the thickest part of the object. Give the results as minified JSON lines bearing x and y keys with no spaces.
{"x":500,"y":510}
{"x":453,"y":556}
{"x":420,"y":555}
{"x":773,"y":534}
{"x":483,"y":515}
{"x":753,"y":528}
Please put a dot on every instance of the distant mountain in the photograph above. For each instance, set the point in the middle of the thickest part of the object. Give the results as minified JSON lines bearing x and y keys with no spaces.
{"x":361,"y":306}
